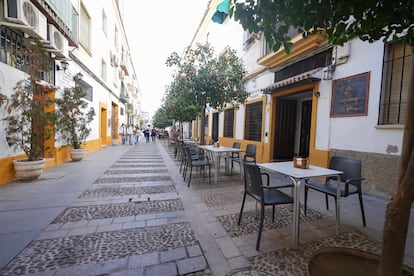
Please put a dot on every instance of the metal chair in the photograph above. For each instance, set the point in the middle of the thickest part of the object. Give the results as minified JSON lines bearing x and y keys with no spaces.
{"x":232,"y":156}
{"x":351,"y":177}
{"x":265,"y":195}
{"x":249,"y":156}
{"x":191,"y":162}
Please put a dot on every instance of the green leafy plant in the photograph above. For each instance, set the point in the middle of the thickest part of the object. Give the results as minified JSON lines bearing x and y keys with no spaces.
{"x":203,"y":79}
{"x":30,"y":110}
{"x":72,"y":117}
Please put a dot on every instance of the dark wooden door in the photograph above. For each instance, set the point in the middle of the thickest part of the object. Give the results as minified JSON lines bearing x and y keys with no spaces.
{"x":305,"y":125}
{"x":285,"y":121}
{"x":215,"y":134}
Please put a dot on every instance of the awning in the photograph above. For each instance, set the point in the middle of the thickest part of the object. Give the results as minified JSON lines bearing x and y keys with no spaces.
{"x":222,"y":10}
{"x":300,"y":79}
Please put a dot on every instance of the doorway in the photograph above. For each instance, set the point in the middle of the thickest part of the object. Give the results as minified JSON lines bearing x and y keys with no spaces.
{"x":292,"y":124}
{"x":215,"y":134}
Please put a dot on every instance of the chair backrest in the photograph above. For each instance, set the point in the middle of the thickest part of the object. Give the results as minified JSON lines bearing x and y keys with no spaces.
{"x":211,"y":142}
{"x":250,"y":155}
{"x":236,"y":145}
{"x":350,"y":166}
{"x":253,"y":180}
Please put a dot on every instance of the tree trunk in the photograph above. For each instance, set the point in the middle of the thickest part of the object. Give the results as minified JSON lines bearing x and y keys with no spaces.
{"x":202,"y":127}
{"x":399,"y":207}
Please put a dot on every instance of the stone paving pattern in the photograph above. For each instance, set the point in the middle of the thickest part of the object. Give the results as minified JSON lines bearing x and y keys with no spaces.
{"x":140,"y":218}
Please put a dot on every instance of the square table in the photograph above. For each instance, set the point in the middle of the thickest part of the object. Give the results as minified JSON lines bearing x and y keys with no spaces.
{"x":297,"y":176}
{"x":216,"y":151}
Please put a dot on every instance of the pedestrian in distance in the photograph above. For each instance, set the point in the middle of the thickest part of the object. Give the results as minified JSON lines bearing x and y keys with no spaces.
{"x":123,"y":132}
{"x":153,"y":134}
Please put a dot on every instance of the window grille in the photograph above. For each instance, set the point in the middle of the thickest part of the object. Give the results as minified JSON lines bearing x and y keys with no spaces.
{"x":85,"y":29}
{"x":396,"y":78}
{"x":12,"y":53}
{"x":253,"y":121}
{"x":228,"y":123}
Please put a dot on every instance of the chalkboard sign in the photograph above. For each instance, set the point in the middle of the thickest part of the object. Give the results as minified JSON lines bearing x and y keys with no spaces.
{"x":350,"y":96}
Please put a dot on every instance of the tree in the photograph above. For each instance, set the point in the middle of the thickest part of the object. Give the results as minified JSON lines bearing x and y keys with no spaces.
{"x":30,"y":107}
{"x":369,"y":20}
{"x":207,"y":80}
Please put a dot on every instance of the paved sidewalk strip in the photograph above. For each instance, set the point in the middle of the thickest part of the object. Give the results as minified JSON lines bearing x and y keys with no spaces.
{"x":136,"y":216}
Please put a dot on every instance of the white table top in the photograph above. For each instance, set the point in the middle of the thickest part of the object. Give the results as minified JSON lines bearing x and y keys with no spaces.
{"x":212,"y":148}
{"x":287,"y":168}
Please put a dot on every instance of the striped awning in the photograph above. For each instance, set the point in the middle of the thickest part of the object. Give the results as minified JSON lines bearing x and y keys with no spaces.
{"x":300,"y":79}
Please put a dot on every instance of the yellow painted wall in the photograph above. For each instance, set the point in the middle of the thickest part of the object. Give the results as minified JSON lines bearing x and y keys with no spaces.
{"x":58,"y":156}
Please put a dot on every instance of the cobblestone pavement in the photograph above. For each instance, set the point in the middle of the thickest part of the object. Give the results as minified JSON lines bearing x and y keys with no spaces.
{"x":140,"y":218}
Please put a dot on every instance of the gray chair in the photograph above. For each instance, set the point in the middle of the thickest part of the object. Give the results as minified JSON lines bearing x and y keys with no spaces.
{"x":351,"y":178}
{"x":249,"y":157}
{"x":191,"y":162}
{"x":233,"y":155}
{"x":265,"y":195}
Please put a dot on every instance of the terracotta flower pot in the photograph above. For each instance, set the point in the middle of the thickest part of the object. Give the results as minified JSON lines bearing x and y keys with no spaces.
{"x":28,"y":170}
{"x":341,"y":261}
{"x":77,"y":154}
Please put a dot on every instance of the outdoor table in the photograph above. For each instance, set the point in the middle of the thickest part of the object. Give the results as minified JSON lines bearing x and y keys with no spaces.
{"x":297,"y":176}
{"x":216,"y":151}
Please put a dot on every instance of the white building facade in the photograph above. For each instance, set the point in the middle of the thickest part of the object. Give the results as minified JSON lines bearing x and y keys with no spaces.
{"x":318,"y":101}
{"x":88,"y":47}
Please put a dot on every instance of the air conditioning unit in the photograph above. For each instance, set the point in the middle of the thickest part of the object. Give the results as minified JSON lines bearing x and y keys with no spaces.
{"x":58,"y":44}
{"x":26,"y":16}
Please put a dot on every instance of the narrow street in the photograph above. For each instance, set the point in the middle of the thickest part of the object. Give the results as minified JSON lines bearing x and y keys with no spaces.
{"x":125,"y":210}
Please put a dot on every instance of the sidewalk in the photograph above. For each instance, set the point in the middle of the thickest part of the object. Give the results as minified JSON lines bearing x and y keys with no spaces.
{"x":125,"y":210}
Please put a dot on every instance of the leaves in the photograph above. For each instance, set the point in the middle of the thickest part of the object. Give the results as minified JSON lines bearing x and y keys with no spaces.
{"x":73,"y":117}
{"x":369,"y":20}
{"x":30,"y":106}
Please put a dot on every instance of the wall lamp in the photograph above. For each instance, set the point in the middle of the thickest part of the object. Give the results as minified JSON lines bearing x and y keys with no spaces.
{"x":63,"y":66}
{"x":328,"y":72}
{"x":78,"y":76}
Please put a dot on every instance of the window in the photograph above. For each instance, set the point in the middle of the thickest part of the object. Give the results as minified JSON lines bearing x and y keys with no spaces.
{"x":253,"y":121}
{"x":228,"y":123}
{"x":396,"y":77}
{"x":104,"y":23}
{"x":12,"y":53}
{"x":86,"y":88}
{"x":104,"y":70}
{"x":85,"y":29}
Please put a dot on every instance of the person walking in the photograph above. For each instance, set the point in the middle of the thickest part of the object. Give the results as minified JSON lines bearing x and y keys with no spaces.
{"x":130,"y":131}
{"x":147,"y":134}
{"x":137,"y":132}
{"x":123,"y":132}
{"x":153,"y":134}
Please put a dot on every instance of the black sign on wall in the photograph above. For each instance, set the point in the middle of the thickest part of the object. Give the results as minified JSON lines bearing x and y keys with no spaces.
{"x":350,"y":96}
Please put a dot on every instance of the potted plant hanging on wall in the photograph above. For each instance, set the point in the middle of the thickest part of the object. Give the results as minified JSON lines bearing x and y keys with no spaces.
{"x":30,"y":111}
{"x":72,"y":120}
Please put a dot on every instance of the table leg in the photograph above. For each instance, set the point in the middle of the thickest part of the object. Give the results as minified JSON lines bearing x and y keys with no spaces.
{"x":216,"y":167}
{"x":338,"y":202}
{"x":296,"y":213}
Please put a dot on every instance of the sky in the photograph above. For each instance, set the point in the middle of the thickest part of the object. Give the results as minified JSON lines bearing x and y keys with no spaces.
{"x":154,"y":30}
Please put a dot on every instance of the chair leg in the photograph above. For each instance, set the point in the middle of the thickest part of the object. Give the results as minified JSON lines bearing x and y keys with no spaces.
{"x":189,"y":177}
{"x":306,"y":200}
{"x":209,"y":174}
{"x":362,"y":209}
{"x":327,"y":201}
{"x":273,"y":213}
{"x":259,"y":235}
{"x":241,"y":209}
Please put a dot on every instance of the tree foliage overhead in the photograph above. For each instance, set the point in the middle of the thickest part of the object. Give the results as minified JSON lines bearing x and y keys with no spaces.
{"x":206,"y":79}
{"x":369,"y":20}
